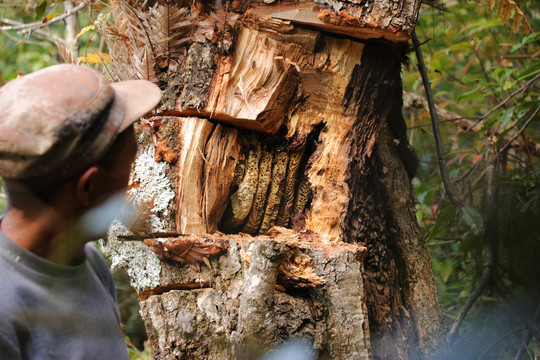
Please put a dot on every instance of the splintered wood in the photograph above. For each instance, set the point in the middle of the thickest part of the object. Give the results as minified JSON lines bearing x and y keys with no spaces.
{"x":281,"y":80}
{"x":238,"y":181}
{"x":252,"y":89}
{"x":190,"y":250}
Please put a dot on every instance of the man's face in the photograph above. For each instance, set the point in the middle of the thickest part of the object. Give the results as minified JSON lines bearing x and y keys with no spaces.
{"x":111,"y":180}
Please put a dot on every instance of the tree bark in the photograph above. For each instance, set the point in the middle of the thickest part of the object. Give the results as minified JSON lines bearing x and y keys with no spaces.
{"x":277,"y":169}
{"x":249,"y":301}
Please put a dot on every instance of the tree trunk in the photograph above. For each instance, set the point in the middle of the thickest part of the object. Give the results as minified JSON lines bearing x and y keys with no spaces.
{"x":277,"y":174}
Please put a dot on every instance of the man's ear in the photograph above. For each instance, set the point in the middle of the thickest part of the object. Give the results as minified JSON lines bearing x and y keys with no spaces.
{"x":86,"y":185}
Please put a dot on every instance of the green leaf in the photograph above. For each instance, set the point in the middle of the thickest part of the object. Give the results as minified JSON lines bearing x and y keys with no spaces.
{"x":473,"y":218}
{"x":531,"y":37}
{"x":419,"y":215}
{"x":496,"y":71}
{"x":516,"y":47}
{"x":471,"y":95}
{"x":446,"y":269}
{"x":506,"y":116}
{"x":40,"y":10}
{"x":529,"y":72}
{"x":508,"y":85}
{"x":480,"y":25}
{"x":527,"y":39}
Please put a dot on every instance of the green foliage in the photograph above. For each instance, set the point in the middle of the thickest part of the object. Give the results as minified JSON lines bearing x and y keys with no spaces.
{"x":136,"y":354}
{"x":23,"y":51}
{"x":20,"y":53}
{"x":483,"y":79}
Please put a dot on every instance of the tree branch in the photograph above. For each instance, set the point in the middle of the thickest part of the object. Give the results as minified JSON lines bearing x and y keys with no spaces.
{"x":466,"y":123}
{"x":41,"y":32}
{"x":26,"y":41}
{"x":450,"y":191}
{"x":454,"y":119}
{"x":502,"y":103}
{"x":520,"y":131}
{"x":71,"y":28}
{"x":40,"y":24}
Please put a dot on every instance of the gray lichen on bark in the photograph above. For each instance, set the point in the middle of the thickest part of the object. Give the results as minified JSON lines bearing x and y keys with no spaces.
{"x":154,"y":184}
{"x":141,"y":264}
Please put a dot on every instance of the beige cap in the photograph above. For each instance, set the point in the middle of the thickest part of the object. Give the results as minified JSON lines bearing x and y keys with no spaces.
{"x":62,"y":119}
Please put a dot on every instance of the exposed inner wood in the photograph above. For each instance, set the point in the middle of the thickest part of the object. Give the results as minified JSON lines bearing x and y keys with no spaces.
{"x":323,"y":91}
{"x":267,"y":194}
{"x":191,"y":218}
{"x":251,"y":89}
{"x":206,"y":164}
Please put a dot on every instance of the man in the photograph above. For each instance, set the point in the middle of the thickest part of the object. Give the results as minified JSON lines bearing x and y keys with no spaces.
{"x":66,"y":145}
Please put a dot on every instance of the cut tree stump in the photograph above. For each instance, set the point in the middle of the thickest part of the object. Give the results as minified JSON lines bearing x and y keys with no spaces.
{"x":278,"y":170}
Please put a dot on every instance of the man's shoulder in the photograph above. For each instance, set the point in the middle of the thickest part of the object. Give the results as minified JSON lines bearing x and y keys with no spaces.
{"x":94,"y":256}
{"x":15,"y":291}
{"x":12,"y":280}
{"x":95,"y":259}
{"x":100,"y":267}
{"x":11,"y":295}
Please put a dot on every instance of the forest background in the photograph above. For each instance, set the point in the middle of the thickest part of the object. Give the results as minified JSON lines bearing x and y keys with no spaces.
{"x":483,"y":61}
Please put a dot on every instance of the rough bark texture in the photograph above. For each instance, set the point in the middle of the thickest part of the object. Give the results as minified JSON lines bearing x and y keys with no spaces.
{"x":247,"y":301}
{"x":399,"y":278}
{"x":279,"y":160}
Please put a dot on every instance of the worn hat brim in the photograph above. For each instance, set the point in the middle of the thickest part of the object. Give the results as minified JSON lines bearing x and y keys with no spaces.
{"x":136,"y":97}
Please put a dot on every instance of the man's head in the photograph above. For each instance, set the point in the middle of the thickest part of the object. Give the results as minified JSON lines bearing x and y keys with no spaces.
{"x":67,"y":124}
